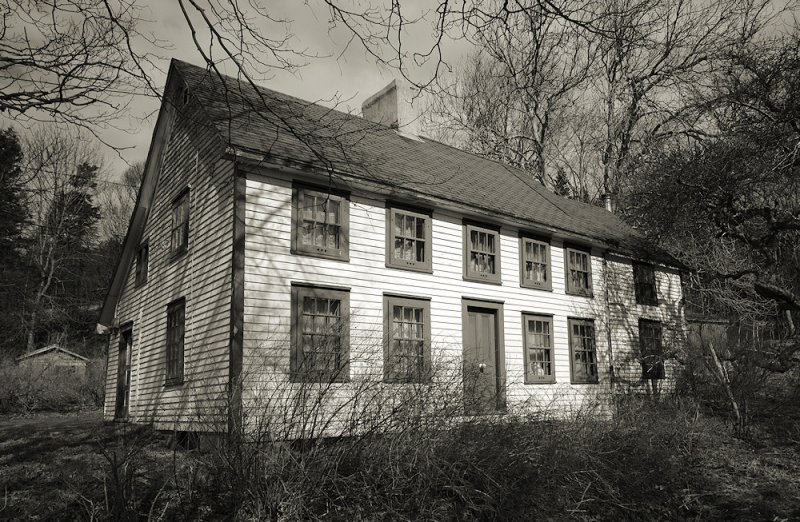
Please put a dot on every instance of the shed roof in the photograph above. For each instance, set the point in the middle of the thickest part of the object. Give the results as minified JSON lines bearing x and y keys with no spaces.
{"x":51,"y":348}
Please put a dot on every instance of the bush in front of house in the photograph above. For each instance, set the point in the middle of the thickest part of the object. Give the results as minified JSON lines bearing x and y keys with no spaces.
{"x":24,"y":389}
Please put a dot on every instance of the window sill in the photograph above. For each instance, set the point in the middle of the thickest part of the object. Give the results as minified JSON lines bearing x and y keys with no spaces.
{"x":409,"y":268}
{"x":178,"y":255}
{"x":321,"y":255}
{"x":534,"y":287}
{"x":174,"y":383}
{"x":487,"y":281}
{"x":300,"y":378}
{"x":534,"y":383}
{"x":586,"y":382}
{"x":588,"y":295}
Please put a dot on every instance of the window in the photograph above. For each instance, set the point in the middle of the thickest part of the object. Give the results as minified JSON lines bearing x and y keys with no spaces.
{"x":142,"y":258}
{"x":408,"y":339}
{"x":537,"y":333}
{"x":408,"y":240}
{"x":534,"y":263}
{"x":320,"y":335}
{"x":644,"y":282}
{"x":320,"y":224}
{"x":583,"y":351}
{"x":176,"y":317}
{"x":179,"y":239}
{"x":579,"y":272}
{"x":651,"y":348}
{"x":481,"y":254}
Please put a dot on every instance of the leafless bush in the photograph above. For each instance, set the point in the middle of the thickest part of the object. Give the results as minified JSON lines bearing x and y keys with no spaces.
{"x":26,"y":388}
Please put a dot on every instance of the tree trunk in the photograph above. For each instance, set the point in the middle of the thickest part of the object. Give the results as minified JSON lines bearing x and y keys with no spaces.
{"x":722,"y":377}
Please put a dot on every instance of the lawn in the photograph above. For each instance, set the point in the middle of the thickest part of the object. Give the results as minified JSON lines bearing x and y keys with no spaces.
{"x":59,"y":467}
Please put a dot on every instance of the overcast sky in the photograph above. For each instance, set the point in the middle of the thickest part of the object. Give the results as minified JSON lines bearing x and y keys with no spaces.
{"x":348,"y":77}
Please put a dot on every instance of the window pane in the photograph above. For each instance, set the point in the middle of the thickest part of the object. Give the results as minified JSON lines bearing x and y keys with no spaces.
{"x":420,"y":228}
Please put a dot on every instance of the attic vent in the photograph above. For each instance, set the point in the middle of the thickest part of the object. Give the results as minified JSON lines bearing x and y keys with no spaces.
{"x":184,"y":96}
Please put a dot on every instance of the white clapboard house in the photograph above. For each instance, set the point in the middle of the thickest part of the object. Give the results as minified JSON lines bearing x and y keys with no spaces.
{"x":277,"y":242}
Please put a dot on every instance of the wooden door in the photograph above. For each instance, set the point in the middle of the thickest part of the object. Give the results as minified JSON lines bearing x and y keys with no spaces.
{"x":481,"y":376}
{"x":124,"y":374}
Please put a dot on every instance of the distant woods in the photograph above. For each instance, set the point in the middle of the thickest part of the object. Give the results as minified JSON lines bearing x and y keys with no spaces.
{"x":63,"y":223}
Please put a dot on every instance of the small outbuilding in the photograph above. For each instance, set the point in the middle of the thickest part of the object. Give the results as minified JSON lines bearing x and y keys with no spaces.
{"x":54,"y":360}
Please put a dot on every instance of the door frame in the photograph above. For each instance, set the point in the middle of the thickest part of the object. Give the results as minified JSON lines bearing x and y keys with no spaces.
{"x":125,"y":329}
{"x":499,"y":342}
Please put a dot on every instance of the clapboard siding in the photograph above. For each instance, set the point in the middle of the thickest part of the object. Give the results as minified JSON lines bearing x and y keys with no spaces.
{"x":270,"y":269}
{"x":202,"y":276}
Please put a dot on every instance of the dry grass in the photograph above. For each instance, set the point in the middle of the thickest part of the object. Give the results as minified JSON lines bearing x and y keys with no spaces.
{"x":658,"y":464}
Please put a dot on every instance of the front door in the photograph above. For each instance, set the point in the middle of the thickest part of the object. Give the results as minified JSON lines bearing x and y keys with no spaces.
{"x":481,"y":368}
{"x":124,"y":373}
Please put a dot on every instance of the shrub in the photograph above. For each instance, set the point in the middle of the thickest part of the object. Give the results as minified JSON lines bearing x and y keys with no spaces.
{"x":25,"y":389}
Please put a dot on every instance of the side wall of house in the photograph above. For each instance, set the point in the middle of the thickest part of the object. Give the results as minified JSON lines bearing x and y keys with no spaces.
{"x":625,"y":313}
{"x":271,"y":269}
{"x":202,"y":276}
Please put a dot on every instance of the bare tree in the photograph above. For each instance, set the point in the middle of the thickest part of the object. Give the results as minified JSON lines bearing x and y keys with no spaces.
{"x":63,"y":169}
{"x":510,"y":99}
{"x":72,"y":61}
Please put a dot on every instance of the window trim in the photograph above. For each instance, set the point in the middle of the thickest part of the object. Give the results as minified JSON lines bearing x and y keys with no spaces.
{"x":415,"y":266}
{"x":641,"y":298}
{"x":538,"y":379}
{"x":469,"y":275}
{"x":389,"y":302}
{"x":297,"y":248}
{"x":568,"y":288}
{"x":572,"y":379}
{"x":175,"y":253}
{"x":141,"y":273}
{"x":179,"y":378}
{"x":295,"y":345}
{"x":524,"y":283}
{"x":662,"y":373}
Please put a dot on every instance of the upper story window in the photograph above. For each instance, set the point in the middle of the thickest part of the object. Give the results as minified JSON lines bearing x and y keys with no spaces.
{"x":320,"y":335}
{"x":534,"y":263}
{"x":408,"y":240}
{"x":142,"y":260}
{"x":320,"y":223}
{"x":578,"y":265}
{"x":176,"y":317}
{"x":651,"y":349}
{"x":583,"y":351}
{"x":644,"y":282}
{"x":537,"y":332}
{"x":408,"y":345}
{"x":179,"y":239}
{"x":481,"y":254}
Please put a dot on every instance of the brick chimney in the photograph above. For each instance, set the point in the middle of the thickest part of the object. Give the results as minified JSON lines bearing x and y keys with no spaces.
{"x":395,"y":106}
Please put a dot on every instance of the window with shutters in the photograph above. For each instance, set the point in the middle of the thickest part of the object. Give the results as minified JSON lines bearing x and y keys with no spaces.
{"x":534,"y":263}
{"x":578,"y":265}
{"x":537,"y":334}
{"x":176,"y":318}
{"x":651,"y":349}
{"x":481,"y":254}
{"x":320,"y":334}
{"x":408,"y":338}
{"x":320,"y":223}
{"x":583,"y":351}
{"x":408,"y":240}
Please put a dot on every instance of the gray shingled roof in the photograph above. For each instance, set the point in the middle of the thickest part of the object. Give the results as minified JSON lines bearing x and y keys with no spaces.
{"x":280,"y":127}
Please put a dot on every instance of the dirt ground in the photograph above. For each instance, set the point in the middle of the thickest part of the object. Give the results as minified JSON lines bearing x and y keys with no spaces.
{"x":53,"y":464}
